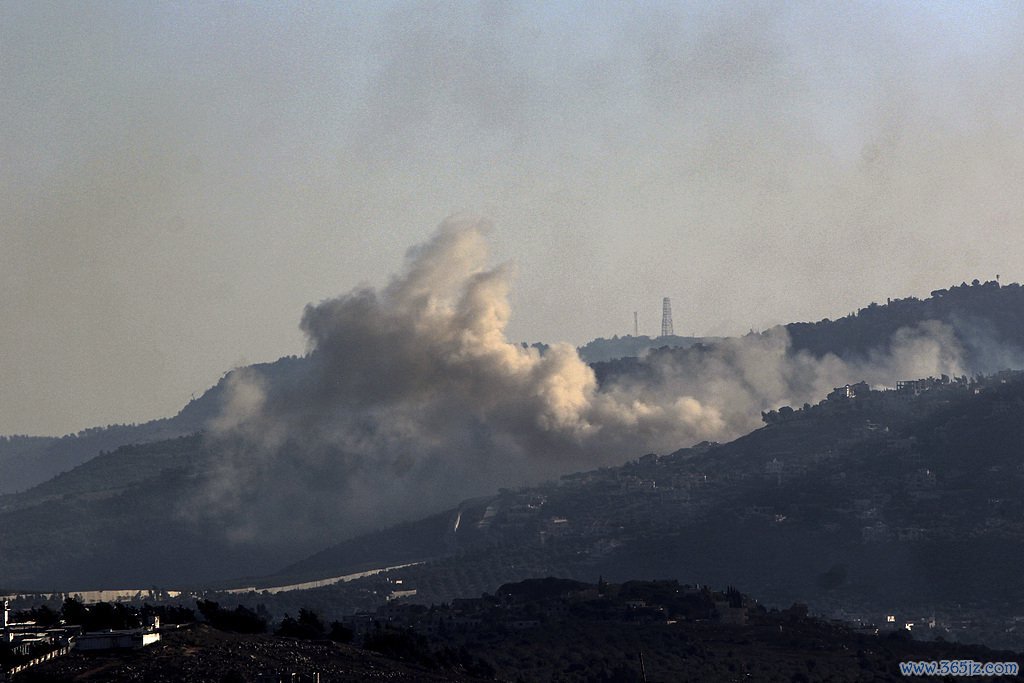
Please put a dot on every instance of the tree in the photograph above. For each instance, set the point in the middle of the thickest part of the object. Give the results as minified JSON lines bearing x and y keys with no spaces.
{"x":340,"y":633}
{"x":308,"y":626}
{"x":74,"y":611}
{"x":42,"y":615}
{"x":240,"y":620}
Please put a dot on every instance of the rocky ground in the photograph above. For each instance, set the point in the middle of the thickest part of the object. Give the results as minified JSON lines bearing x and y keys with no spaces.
{"x":204,"y":655}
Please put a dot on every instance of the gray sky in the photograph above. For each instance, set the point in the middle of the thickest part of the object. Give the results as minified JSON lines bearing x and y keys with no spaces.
{"x":178,"y":180}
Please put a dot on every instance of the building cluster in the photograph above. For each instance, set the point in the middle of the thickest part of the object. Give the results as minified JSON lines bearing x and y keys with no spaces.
{"x":961,"y":622}
{"x":24,"y":644}
{"x":850,"y":396}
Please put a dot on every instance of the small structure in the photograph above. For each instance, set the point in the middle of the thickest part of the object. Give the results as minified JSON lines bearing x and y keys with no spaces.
{"x":399,"y":594}
{"x":125,"y":639}
{"x":128,"y":639}
{"x":850,"y":391}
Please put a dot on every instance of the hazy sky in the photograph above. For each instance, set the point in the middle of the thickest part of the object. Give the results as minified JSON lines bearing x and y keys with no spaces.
{"x":178,"y":180}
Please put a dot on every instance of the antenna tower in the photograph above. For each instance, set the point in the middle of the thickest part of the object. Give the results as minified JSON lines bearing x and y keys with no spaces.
{"x":636,"y":325}
{"x":666,"y":318}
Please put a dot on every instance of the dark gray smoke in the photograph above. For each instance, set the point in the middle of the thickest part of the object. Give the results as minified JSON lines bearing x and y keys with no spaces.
{"x":417,"y":399}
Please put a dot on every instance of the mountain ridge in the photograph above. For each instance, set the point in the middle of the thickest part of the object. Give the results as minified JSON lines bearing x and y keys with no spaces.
{"x":894,"y":501}
{"x":83,"y":512}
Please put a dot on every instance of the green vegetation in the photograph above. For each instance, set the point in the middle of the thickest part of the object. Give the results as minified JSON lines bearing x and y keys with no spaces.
{"x":309,"y":626}
{"x":239,"y":620}
{"x":891,"y":502}
{"x":982,"y":315}
{"x":102,"y":616}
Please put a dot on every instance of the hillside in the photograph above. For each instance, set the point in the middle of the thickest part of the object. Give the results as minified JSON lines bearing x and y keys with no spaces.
{"x":556,"y":629}
{"x":26,"y":461}
{"x":29,"y":460}
{"x":889,"y":501}
{"x":120,"y":519}
{"x":536,"y":630}
{"x":988,"y":320}
{"x":116,"y":520}
{"x":202,"y":654}
{"x":601,"y":349}
{"x":843,"y":469}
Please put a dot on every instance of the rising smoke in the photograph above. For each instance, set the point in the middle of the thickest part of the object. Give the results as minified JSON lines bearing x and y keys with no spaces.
{"x":166,"y":171}
{"x":415,"y":399}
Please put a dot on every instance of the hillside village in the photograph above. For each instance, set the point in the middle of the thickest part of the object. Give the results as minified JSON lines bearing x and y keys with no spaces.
{"x":864,"y":472}
{"x":332,"y":347}
{"x":880,"y":477}
{"x":870,"y":476}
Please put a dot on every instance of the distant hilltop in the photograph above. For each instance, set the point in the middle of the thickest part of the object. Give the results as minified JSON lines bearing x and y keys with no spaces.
{"x":601,"y":349}
{"x":982,"y":314}
{"x":986,"y":318}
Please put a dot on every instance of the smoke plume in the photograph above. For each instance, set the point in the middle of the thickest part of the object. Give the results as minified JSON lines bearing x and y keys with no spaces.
{"x":415,"y":398}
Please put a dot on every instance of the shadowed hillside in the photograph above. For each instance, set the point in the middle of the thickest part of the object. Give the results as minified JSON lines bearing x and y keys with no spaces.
{"x":907,"y":501}
{"x":131,"y":517}
{"x":988,"y":321}
{"x":29,"y":460}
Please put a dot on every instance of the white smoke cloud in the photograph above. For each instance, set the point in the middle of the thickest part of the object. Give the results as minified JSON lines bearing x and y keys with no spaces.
{"x":737,"y":378}
{"x":416,"y":399}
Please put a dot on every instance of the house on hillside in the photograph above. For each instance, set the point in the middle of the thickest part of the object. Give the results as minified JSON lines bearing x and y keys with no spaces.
{"x":850,"y":391}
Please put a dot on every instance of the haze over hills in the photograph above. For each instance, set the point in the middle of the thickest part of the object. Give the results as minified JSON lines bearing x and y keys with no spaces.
{"x":985,"y":320}
{"x":26,"y":461}
{"x":189,"y":187}
{"x":601,"y":349}
{"x":71,"y":533}
{"x":898,"y":502}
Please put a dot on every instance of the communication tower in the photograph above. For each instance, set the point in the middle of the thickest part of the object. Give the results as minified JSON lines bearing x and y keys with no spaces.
{"x":666,"y":318}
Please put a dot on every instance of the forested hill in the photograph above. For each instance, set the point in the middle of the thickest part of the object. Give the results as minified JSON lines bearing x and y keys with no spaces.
{"x":601,"y":349}
{"x":26,"y":461}
{"x":988,"y":320}
{"x":893,"y":500}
